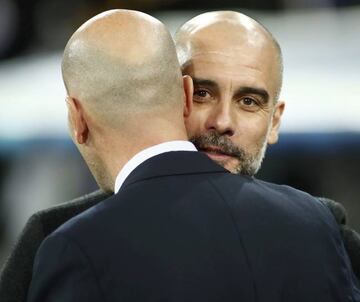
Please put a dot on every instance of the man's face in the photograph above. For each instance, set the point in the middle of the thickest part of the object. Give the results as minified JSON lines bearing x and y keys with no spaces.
{"x":234,"y":114}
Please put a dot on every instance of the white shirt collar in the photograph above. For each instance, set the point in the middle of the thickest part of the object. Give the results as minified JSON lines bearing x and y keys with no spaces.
{"x":146,"y":154}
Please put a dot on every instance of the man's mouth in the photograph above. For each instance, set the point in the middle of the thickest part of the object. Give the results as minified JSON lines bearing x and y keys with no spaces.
{"x":215,"y":153}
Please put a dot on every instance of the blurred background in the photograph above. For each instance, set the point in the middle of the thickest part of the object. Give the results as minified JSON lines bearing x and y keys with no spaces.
{"x":319,"y":145}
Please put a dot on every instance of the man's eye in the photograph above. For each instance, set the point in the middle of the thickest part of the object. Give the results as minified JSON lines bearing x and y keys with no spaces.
{"x":201,"y":93}
{"x":202,"y":96}
{"x":249,"y":104}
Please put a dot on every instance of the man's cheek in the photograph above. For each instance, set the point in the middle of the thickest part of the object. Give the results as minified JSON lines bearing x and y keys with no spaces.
{"x":192,"y":126}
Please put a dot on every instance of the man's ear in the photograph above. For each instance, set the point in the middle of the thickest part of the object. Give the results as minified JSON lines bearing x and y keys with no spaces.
{"x":188,"y":95}
{"x":275,"y":124}
{"x":78,"y":124}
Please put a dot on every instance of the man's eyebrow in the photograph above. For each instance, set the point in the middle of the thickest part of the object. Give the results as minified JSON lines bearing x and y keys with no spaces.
{"x":240,"y":91}
{"x":204,"y":82}
{"x":253,"y":90}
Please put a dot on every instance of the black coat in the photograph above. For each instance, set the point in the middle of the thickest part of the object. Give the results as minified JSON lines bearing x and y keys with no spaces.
{"x":16,"y":273}
{"x":184,"y":229}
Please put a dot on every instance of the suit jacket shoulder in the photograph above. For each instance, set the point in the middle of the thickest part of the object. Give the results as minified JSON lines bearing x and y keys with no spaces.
{"x":183,"y":229}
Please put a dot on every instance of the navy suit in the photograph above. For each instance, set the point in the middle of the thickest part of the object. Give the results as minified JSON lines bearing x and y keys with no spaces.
{"x":183,"y":229}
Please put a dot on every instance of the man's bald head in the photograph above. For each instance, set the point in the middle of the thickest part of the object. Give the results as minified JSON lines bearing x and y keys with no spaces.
{"x":236,"y":67}
{"x":125,"y":90}
{"x":122,"y":62}
{"x":228,"y":32}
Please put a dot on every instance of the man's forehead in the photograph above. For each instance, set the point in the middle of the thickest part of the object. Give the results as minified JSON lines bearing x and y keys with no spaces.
{"x":229,"y":32}
{"x":220,"y":48}
{"x":228,"y":62}
{"x":243,"y":50}
{"x":226,"y":39}
{"x":223,"y":55}
{"x":222,"y":71}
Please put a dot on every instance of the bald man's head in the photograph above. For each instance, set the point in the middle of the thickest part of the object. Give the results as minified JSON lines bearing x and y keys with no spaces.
{"x":122,"y":62}
{"x":229,"y":33}
{"x":125,"y":90}
{"x":236,"y":67}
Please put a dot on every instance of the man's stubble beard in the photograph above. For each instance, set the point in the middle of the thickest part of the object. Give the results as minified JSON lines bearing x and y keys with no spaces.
{"x":248,"y":163}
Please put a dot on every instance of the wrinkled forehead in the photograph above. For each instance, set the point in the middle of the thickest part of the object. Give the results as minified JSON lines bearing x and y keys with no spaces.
{"x":230,"y":46}
{"x":237,"y":65}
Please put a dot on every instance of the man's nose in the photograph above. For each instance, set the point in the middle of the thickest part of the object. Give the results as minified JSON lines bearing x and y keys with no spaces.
{"x":221,"y":119}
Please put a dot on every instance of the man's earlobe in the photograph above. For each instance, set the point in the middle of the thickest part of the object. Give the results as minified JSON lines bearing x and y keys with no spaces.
{"x":77,"y":120}
{"x":188,"y":95}
{"x":276,"y":121}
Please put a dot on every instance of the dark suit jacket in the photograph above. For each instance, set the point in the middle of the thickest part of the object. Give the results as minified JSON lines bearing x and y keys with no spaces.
{"x":183,"y":229}
{"x":16,"y":274}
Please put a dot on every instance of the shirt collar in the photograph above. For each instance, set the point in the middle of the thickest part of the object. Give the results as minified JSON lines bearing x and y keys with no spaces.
{"x":146,"y":154}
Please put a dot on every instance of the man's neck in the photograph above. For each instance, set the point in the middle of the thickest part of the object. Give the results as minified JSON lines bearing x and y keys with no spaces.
{"x":140,"y":157}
